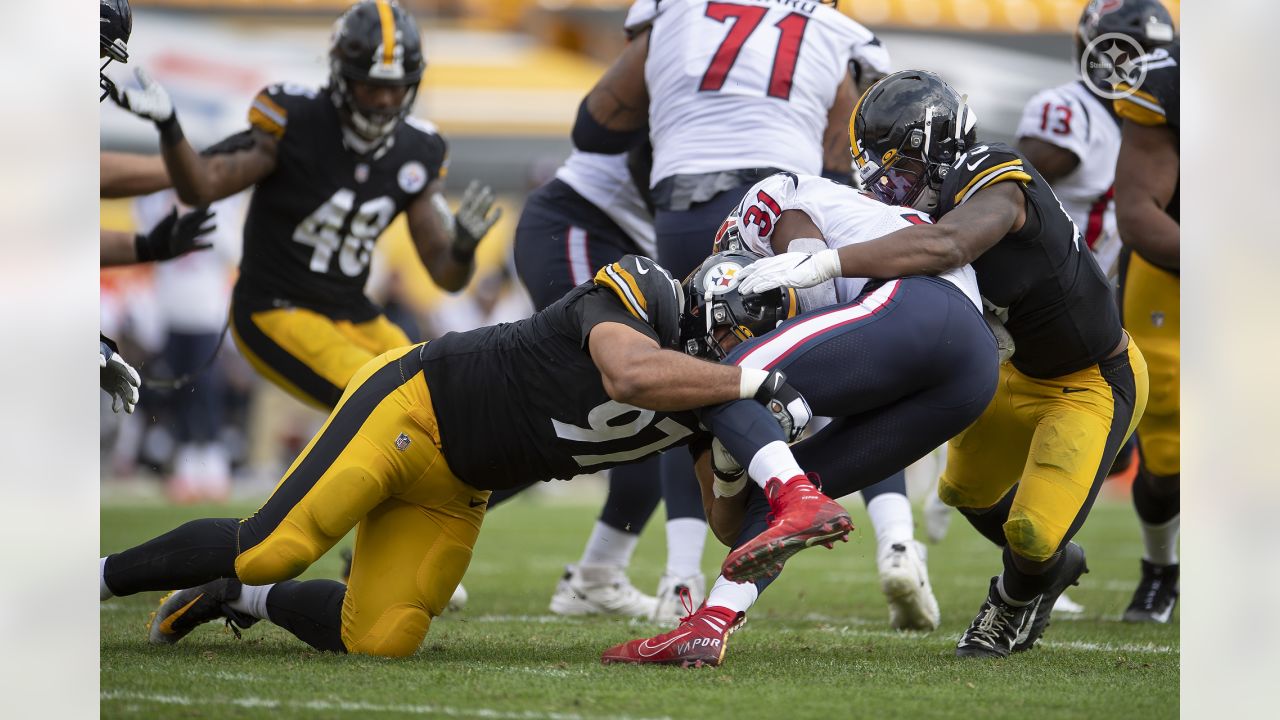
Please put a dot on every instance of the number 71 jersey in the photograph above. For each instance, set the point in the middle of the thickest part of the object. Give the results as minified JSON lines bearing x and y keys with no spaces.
{"x":745,"y":83}
{"x":313,"y":222}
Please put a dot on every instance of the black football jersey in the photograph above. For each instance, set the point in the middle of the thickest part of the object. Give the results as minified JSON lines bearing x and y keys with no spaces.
{"x":312,"y":223}
{"x":523,"y":401}
{"x":1061,"y":310}
{"x":1156,"y":101}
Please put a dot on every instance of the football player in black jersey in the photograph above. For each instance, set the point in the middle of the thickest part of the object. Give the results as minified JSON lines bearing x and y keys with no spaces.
{"x":332,"y":169}
{"x":414,"y":447}
{"x":1147,"y":183}
{"x":1027,"y":472}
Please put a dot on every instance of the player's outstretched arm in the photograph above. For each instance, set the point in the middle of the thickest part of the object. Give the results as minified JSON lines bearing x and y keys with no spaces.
{"x":130,"y":174}
{"x":636,"y":371}
{"x":446,"y":243}
{"x":1146,"y":179}
{"x":231,"y":166}
{"x":1053,"y":162}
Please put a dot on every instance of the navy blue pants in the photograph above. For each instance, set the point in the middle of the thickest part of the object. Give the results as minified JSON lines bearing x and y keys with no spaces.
{"x":198,"y":406}
{"x":561,"y":241}
{"x":901,"y":370}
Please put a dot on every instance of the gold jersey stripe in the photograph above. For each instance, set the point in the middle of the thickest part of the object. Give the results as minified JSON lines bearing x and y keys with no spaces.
{"x":271,"y":107}
{"x":1140,"y":107}
{"x":624,"y":286}
{"x":1013,"y":164}
{"x":259,"y":119}
{"x":388,"y":22}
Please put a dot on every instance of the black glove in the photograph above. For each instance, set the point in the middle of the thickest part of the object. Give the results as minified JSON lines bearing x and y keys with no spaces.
{"x":786,"y":404}
{"x":174,"y":235}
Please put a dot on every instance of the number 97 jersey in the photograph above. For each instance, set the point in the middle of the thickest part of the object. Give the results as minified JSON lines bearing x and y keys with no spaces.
{"x":312,"y":223}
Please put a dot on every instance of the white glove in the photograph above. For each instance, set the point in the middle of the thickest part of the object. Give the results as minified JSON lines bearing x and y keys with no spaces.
{"x":150,"y":102}
{"x":792,"y":269}
{"x":118,"y":379}
{"x":728,"y":477}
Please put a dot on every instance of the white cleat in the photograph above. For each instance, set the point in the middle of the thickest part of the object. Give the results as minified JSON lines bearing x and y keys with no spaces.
{"x":937,"y":517}
{"x":1068,"y":607}
{"x":904,"y":579}
{"x":600,"y":590}
{"x":670,"y":606}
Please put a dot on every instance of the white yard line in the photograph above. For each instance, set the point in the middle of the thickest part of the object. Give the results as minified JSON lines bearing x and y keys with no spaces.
{"x":355,"y":707}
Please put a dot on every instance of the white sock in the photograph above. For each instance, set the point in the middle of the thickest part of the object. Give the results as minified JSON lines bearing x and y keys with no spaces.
{"x":773,"y":461}
{"x":252,"y":601}
{"x":891,"y":517}
{"x":609,"y":546}
{"x":738,"y":597}
{"x":104,"y":593}
{"x":685,"y":540}
{"x":1161,"y":542}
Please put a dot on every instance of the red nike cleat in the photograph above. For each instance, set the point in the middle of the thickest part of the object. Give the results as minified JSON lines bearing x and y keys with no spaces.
{"x":700,"y":640}
{"x":802,"y":517}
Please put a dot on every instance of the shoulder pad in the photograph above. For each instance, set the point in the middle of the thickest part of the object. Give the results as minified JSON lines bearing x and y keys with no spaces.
{"x":980,"y":167}
{"x":270,"y":109}
{"x":1155,"y":100}
{"x":648,"y":292}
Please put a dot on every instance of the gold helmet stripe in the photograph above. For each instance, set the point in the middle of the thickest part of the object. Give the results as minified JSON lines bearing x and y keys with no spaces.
{"x":853,"y":134}
{"x":387,"y":20}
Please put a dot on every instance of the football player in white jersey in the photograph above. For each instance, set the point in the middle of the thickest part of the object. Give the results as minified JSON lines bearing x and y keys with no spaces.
{"x":901,"y":366}
{"x":786,"y":72}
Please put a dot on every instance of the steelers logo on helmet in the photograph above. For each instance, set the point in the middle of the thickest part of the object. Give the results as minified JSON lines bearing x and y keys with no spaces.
{"x":715,"y":311}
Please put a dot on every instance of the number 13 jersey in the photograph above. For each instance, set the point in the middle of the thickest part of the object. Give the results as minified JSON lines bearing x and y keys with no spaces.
{"x":312,"y":223}
{"x":747,"y":83}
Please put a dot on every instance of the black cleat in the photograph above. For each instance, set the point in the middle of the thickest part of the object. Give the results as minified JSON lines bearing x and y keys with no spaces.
{"x":181,"y":611}
{"x":997,"y":628}
{"x":1067,"y":573}
{"x":1156,"y":596}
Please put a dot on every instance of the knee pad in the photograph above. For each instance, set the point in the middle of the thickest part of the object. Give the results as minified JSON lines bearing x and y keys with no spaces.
{"x":396,"y":634}
{"x":1031,"y":537}
{"x":282,"y":556}
{"x":958,"y":496}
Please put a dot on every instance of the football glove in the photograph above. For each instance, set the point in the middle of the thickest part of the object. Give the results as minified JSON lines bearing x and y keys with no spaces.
{"x":786,"y":405}
{"x":176,"y":235}
{"x":728,"y":476}
{"x":792,"y":269}
{"x":150,"y":101}
{"x":473,"y":220}
{"x":117,"y":378}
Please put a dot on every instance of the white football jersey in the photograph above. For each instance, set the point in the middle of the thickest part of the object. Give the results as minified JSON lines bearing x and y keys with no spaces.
{"x":1074,"y":119}
{"x":845,"y":216}
{"x":745,"y":84}
{"x":605,"y":182}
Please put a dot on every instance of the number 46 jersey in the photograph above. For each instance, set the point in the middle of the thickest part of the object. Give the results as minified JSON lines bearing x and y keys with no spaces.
{"x":312,"y":223}
{"x":524,"y":401}
{"x":766,"y":69}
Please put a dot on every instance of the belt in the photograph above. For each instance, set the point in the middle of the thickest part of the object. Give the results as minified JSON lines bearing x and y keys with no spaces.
{"x":680,"y":192}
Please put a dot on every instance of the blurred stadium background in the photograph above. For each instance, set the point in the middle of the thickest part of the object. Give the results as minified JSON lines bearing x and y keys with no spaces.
{"x":503,"y":82}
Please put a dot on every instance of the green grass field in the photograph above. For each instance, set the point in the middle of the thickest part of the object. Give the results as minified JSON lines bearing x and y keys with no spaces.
{"x":817,"y":645}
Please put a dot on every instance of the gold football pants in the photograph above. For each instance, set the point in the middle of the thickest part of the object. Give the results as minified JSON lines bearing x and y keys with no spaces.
{"x":376,"y":464}
{"x":1056,"y":439}
{"x":309,"y":355}
{"x":1152,"y":316}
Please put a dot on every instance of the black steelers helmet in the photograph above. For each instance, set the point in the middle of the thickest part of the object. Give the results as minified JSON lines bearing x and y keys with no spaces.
{"x":712,"y":301}
{"x":375,"y":42}
{"x":1145,"y":22}
{"x":905,"y":132}
{"x":115,"y":24}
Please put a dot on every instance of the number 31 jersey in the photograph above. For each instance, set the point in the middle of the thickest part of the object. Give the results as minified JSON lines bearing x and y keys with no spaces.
{"x":312,"y":223}
{"x":523,"y":401}
{"x":747,"y":83}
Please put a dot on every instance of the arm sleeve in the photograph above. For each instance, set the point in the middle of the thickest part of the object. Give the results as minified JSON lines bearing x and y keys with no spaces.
{"x":869,"y":57}
{"x":1058,"y":120}
{"x":640,"y":16}
{"x":981,"y":167}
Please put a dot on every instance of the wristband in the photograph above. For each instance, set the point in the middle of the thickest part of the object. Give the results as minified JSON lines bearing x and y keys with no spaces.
{"x":170,"y":131}
{"x":750,"y":381}
{"x":828,"y":262}
{"x":722,"y":489}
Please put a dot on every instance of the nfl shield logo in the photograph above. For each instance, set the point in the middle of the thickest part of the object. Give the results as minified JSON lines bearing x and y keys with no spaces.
{"x":1157,"y":318}
{"x":402,"y":442}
